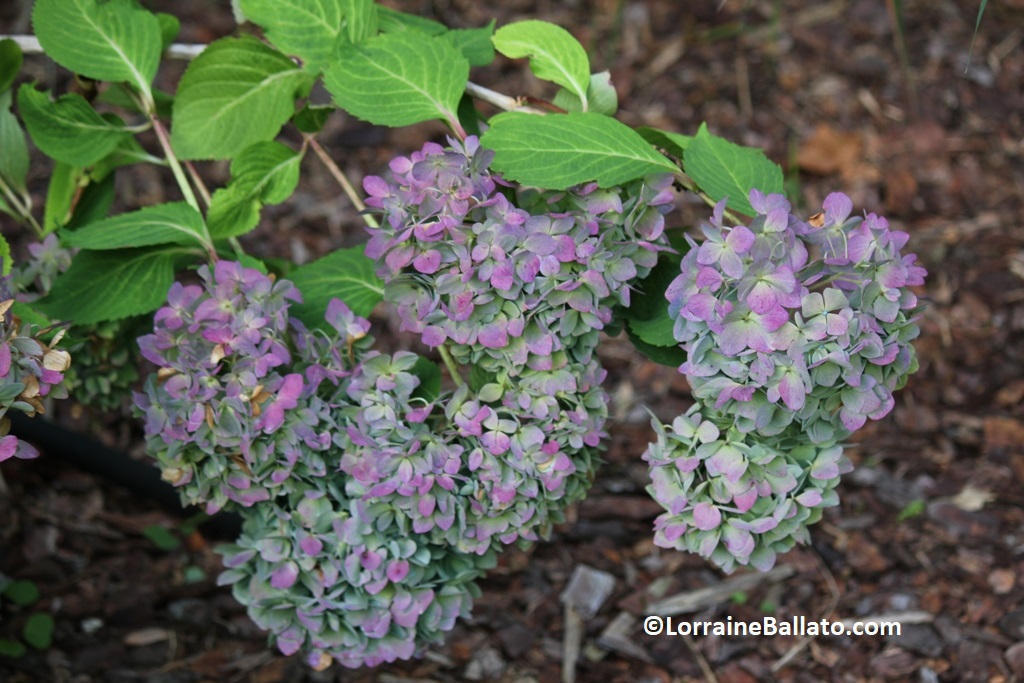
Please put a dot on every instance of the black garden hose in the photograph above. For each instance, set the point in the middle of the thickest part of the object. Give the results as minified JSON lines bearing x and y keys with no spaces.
{"x":140,"y":478}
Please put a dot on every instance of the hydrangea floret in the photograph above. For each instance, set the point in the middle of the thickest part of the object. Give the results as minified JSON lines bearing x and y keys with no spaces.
{"x":508,"y":278}
{"x":788,"y":320}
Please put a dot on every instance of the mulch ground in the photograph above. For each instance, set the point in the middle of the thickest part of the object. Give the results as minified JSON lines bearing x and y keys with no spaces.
{"x":930,"y":531}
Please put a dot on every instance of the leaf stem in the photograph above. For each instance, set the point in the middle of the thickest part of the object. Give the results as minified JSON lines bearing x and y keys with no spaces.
{"x":343,"y":180}
{"x":21,"y":206}
{"x":449,"y":362}
{"x":204,"y":193}
{"x":503,"y":102}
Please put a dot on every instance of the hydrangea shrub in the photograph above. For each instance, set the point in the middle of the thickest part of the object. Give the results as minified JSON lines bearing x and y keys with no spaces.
{"x":374,"y":491}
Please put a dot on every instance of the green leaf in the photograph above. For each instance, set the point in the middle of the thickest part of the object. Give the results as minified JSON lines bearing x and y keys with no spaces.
{"x":162,"y":537}
{"x":237,"y":92}
{"x":725,"y":169}
{"x":478,"y":377}
{"x":647,"y":320}
{"x":68,"y":130}
{"x":311,"y":118}
{"x":128,"y":152}
{"x":673,"y":143}
{"x":65,"y":181}
{"x":361,"y":21}
{"x":10,"y":63}
{"x":393,"y":21}
{"x":119,"y":95}
{"x":390,"y":80}
{"x":601,"y":96}
{"x":977,"y":25}
{"x":171,"y":223}
{"x":308,"y":29}
{"x":111,"y":285}
{"x":113,"y":41}
{"x":94,"y":202}
{"x":561,"y":150}
{"x":38,"y":631}
{"x":429,"y":373}
{"x":170,"y":27}
{"x":474,"y":43}
{"x":22,"y":592}
{"x":13,"y":148}
{"x":265,"y":173}
{"x":5,"y":257}
{"x":346,"y":274}
{"x":554,"y":54}
{"x":11,"y":648}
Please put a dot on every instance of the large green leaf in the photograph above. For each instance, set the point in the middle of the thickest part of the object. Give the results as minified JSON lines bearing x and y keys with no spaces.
{"x":554,"y":54}
{"x":111,"y":285}
{"x":237,"y":92}
{"x":265,"y":173}
{"x":171,"y":223}
{"x":306,"y":28}
{"x":346,"y":274}
{"x":673,"y":143}
{"x":361,"y":19}
{"x":561,"y":150}
{"x":393,"y":81}
{"x":475,"y":43}
{"x":108,"y":41}
{"x":393,"y":21}
{"x":725,"y":169}
{"x":10,"y":63}
{"x":38,"y":630}
{"x":13,"y":148}
{"x":68,"y":130}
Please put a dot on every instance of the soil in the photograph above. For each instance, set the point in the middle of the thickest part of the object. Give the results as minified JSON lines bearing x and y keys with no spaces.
{"x":911,"y":124}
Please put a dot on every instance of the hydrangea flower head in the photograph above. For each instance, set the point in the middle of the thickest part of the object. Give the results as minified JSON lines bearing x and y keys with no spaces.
{"x":789,"y":320}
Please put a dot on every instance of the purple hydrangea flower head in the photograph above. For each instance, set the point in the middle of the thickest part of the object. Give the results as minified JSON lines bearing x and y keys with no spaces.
{"x":508,"y":283}
{"x":786,"y":320}
{"x":240,"y":408}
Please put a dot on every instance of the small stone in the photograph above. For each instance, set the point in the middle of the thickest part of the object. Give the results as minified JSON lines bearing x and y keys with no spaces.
{"x":487,"y":664}
{"x":1015,"y":659}
{"x":587,"y":590}
{"x":1002,"y":581}
{"x":516,"y":639}
{"x":893,"y":664}
{"x":918,"y":638}
{"x":1012,"y":624}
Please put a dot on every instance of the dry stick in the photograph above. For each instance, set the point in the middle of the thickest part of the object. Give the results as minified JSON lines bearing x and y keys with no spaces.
{"x":833,"y":603}
{"x":702,"y":662}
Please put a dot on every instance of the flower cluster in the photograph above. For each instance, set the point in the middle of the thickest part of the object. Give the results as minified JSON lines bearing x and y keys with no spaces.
{"x":499,"y":465}
{"x":30,"y":370}
{"x":232,"y":414}
{"x":736,"y":498}
{"x":787,"y":320}
{"x":525,"y":282}
{"x":341,"y":579}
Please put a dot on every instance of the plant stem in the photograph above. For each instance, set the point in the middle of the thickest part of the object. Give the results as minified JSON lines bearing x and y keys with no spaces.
{"x":503,"y":102}
{"x":172,"y":160}
{"x":449,"y":362}
{"x":343,"y":180}
{"x":204,"y":193}
{"x":20,"y":206}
